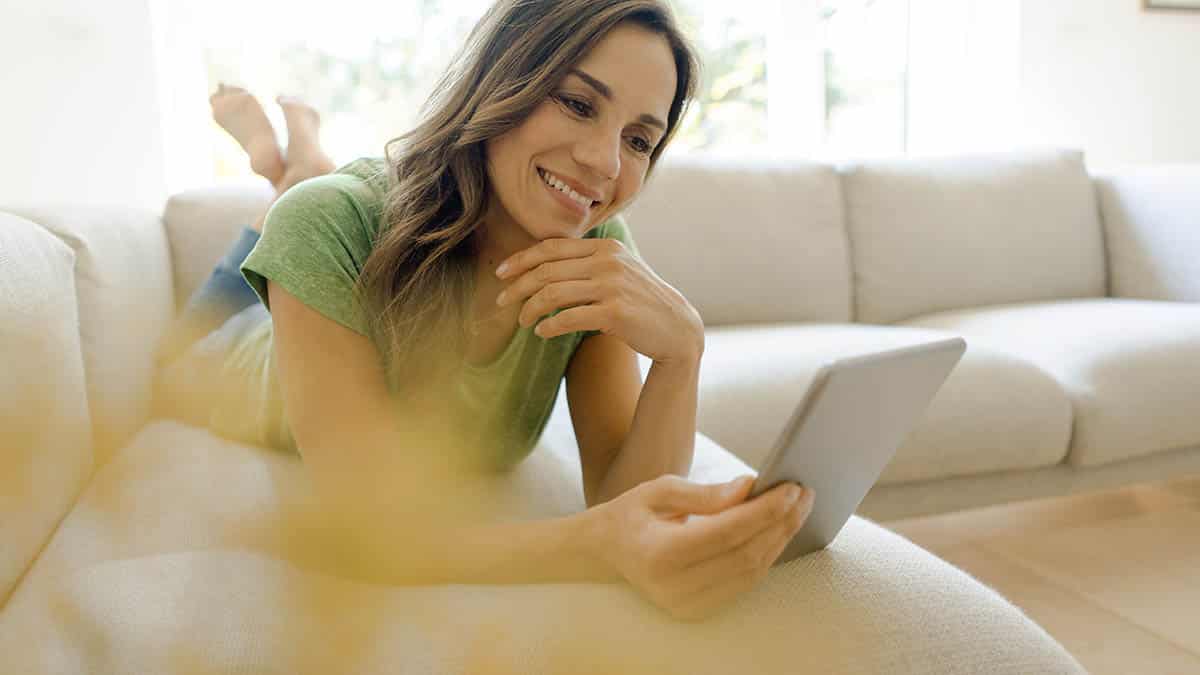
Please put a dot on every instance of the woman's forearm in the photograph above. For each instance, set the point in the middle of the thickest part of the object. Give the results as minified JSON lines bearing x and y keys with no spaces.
{"x":662,"y":438}
{"x":564,"y":549}
{"x":397,"y":520}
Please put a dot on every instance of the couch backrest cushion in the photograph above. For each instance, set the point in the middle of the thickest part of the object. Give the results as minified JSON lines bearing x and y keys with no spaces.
{"x":937,"y":234}
{"x":123,"y":281}
{"x":1152,"y":229}
{"x":45,"y":443}
{"x":747,"y":241}
{"x":203,"y":223}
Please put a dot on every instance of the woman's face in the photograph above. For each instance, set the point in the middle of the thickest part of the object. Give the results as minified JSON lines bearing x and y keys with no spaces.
{"x":595,"y":134}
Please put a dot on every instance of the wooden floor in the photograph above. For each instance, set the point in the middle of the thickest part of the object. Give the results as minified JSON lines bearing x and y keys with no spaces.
{"x":1114,"y":576}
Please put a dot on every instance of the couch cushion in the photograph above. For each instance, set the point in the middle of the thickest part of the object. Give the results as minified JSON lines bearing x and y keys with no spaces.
{"x":202,"y":224}
{"x":123,"y":280}
{"x":997,"y":411}
{"x":182,"y":556}
{"x":1130,"y":367}
{"x":747,"y":241}
{"x":1152,"y":230}
{"x":45,"y":444}
{"x":948,"y":233}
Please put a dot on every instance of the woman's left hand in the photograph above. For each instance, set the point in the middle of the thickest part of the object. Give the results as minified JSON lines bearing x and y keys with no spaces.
{"x":606,"y":288}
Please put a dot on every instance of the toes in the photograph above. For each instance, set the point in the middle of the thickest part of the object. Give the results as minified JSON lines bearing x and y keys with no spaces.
{"x":294,"y":103}
{"x":294,"y":107}
{"x":224,"y":90}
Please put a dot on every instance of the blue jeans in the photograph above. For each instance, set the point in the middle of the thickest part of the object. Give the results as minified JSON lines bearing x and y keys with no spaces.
{"x":223,"y":295}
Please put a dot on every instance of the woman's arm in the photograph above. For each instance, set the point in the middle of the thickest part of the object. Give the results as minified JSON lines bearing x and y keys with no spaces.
{"x":391,"y":505}
{"x":662,"y":438}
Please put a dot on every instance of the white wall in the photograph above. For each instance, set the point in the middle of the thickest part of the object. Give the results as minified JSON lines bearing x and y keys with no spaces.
{"x":80,"y":119}
{"x":1106,"y":76}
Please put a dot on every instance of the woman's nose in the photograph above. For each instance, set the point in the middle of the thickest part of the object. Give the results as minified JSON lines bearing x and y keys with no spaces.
{"x":600,"y":151}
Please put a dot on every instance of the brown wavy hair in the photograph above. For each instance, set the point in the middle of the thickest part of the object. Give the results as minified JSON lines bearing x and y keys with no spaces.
{"x":417,"y":282}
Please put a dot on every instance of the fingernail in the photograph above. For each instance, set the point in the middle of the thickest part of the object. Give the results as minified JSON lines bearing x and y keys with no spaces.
{"x":501,"y":269}
{"x":797,"y":493}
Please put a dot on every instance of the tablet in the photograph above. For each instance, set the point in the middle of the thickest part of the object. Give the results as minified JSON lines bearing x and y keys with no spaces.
{"x":849,"y":424}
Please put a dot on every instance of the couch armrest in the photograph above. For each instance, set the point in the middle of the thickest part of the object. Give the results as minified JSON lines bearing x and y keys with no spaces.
{"x":45,"y":449}
{"x":124,"y":284}
{"x":1152,"y":225}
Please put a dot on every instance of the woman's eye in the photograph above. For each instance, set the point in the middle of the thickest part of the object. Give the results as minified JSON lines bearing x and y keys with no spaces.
{"x":640,"y":144}
{"x":581,"y":108}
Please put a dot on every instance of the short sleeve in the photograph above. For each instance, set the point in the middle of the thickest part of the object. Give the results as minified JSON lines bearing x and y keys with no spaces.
{"x":615,"y":228}
{"x":315,"y":241}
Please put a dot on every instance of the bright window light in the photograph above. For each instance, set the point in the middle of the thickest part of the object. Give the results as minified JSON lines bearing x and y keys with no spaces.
{"x":817,"y":79}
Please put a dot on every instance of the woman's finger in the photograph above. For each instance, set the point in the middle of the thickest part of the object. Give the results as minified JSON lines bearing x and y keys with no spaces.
{"x":674,"y":495}
{"x":755,"y":555}
{"x":706,"y":536}
{"x":546,"y":250}
{"x":558,"y":295}
{"x":525,"y":286}
{"x":581,"y":318}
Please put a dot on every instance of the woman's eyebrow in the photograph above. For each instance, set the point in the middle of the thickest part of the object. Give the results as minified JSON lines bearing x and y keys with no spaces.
{"x":606,"y":92}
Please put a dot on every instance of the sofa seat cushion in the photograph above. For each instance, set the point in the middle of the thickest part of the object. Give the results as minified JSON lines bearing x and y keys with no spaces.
{"x":182,"y":556}
{"x":996,"y":411}
{"x":1130,"y":367}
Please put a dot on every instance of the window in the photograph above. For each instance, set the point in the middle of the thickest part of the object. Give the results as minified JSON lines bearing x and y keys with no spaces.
{"x":864,"y":61}
{"x":821,"y":79}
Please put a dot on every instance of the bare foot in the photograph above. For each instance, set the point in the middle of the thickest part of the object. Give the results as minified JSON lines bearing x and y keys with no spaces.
{"x":305,"y":158}
{"x":239,"y":113}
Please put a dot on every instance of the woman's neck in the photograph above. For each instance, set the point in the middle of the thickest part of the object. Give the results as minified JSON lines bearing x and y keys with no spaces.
{"x":498,"y":238}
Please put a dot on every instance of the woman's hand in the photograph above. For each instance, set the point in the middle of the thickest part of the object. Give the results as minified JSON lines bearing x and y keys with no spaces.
{"x":606,"y":288}
{"x":692,"y":567}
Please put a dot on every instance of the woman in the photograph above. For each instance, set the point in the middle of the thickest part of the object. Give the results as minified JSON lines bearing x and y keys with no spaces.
{"x":372,"y":281}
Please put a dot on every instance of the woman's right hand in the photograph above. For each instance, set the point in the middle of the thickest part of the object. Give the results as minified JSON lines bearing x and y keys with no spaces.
{"x":691,"y":549}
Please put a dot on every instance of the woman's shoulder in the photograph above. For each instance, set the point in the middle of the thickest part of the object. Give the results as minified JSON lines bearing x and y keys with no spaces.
{"x":353,"y":193}
{"x":371,"y":171}
{"x":367,"y":179}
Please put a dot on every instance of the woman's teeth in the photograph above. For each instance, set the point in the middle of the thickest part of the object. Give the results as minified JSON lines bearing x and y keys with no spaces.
{"x":553,"y":181}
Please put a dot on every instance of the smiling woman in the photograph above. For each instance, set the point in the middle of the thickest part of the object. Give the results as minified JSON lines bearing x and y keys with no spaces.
{"x":361,"y":355}
{"x":593,"y":140}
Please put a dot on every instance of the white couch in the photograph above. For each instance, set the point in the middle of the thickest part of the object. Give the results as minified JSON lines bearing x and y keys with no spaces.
{"x":135,"y":544}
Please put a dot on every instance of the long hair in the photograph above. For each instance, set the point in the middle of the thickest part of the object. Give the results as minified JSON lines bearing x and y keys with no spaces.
{"x":416,"y":283}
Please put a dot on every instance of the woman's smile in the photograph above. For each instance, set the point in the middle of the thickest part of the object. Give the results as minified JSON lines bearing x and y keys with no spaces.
{"x":564,"y":195}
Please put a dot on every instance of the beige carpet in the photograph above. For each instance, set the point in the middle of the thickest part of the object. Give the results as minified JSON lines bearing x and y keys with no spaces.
{"x":1114,"y":576}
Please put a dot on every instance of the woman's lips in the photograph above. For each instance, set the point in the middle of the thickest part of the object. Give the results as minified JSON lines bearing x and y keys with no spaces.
{"x":564,"y":199}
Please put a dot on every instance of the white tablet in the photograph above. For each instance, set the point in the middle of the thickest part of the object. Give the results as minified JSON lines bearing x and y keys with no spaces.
{"x":849,"y":424}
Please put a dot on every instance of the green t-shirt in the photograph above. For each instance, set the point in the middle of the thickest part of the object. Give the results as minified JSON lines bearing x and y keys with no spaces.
{"x":315,"y":241}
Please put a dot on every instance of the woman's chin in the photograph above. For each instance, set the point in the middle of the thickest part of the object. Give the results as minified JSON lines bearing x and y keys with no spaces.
{"x":559,"y":227}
